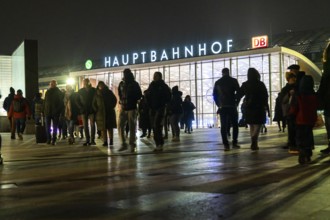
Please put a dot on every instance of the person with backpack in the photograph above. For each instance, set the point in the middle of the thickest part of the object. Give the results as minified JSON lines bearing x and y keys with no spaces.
{"x":19,"y":110}
{"x":6,"y":105}
{"x":129,"y":92}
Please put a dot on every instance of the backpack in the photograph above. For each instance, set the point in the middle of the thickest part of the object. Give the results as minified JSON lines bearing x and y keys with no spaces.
{"x":18,"y":105}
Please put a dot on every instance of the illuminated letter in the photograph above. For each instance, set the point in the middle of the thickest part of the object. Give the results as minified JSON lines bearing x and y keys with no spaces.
{"x":135,"y":57}
{"x":164,"y":56}
{"x":216,"y":44}
{"x":176,"y":53}
{"x":143,"y":56}
{"x":153,"y":56}
{"x":125,"y":62}
{"x":186,"y":51}
{"x":201,"y":49}
{"x":107,"y":61}
{"x":229,"y":45}
{"x":115,"y":61}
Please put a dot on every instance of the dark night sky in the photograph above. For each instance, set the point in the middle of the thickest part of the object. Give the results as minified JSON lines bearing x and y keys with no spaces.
{"x":72,"y":31}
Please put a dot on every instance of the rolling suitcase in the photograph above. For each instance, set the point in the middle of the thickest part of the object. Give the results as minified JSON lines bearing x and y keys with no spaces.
{"x":41,"y":135}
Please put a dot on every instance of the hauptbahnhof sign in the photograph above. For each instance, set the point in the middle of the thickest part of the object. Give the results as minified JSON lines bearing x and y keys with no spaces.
{"x":198,"y":50}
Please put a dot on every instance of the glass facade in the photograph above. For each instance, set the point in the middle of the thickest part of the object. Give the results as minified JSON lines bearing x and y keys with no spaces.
{"x":197,"y":77}
{"x":5,"y":80}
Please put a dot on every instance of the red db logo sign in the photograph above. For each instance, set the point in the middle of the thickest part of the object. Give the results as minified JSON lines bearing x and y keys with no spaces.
{"x":260,"y":42}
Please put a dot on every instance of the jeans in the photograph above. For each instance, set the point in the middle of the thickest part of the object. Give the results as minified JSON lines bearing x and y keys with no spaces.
{"x":48,"y":121}
{"x":229,"y":117}
{"x":91,"y":119}
{"x":129,"y":116}
{"x":70,"y":126}
{"x":20,"y":125}
{"x":157,"y":123}
{"x":174,"y":120}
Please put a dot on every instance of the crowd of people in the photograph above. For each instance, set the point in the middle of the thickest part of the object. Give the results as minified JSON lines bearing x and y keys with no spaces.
{"x":95,"y":111}
{"x":295,"y":108}
{"x":159,"y":107}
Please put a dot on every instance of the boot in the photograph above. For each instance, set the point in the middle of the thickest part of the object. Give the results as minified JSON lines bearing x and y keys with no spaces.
{"x":254,"y":144}
{"x":302,"y":156}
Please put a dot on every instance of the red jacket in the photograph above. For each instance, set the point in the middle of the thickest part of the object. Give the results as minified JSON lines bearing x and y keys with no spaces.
{"x":306,"y":110}
{"x":26,"y":109}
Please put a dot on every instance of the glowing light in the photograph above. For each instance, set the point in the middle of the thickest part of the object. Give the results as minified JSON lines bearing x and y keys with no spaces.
{"x":70,"y":81}
{"x":89,"y":64}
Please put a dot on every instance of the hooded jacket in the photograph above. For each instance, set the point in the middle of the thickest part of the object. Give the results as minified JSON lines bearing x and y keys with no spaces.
{"x":25,"y":108}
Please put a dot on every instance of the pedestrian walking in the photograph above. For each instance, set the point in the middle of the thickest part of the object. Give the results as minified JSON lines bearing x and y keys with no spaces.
{"x":278,"y":114}
{"x":71,"y":112}
{"x":19,"y":110}
{"x":158,"y":95}
{"x":84,"y":103}
{"x":104,"y":104}
{"x":144,"y":119}
{"x":6,"y":105}
{"x":188,"y":114}
{"x":256,"y":97}
{"x":225,"y":97}
{"x":175,"y":112}
{"x":53,"y":108}
{"x":129,"y":92}
{"x":305,"y":111}
{"x":287,"y":93}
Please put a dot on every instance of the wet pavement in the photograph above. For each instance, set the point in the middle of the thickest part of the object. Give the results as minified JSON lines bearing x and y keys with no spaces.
{"x":192,"y":179}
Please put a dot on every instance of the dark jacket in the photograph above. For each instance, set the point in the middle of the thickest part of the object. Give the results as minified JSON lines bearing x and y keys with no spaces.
{"x":175,"y":105}
{"x":129,"y":92}
{"x":323,"y":92}
{"x":85,"y":100}
{"x":158,"y":95}
{"x":285,"y":98}
{"x":7,"y":101}
{"x":225,"y":92}
{"x":53,"y":103}
{"x":188,"y":111}
{"x":256,"y":97}
{"x":278,"y":113}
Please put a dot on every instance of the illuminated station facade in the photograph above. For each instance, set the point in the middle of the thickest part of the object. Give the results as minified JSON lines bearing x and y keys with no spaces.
{"x":195,"y":68}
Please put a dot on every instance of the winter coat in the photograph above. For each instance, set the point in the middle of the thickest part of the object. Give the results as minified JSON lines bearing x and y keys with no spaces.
{"x":285,"y":98}
{"x":71,"y":110}
{"x":225,"y":92}
{"x":188,"y":111}
{"x":104,"y":104}
{"x":85,"y":99}
{"x":144,"y":120}
{"x":278,"y":112}
{"x":175,"y":105}
{"x":7,"y":101}
{"x":129,"y":94}
{"x":158,"y":94}
{"x":53,"y":103}
{"x":25,"y":108}
{"x":256,"y":97}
